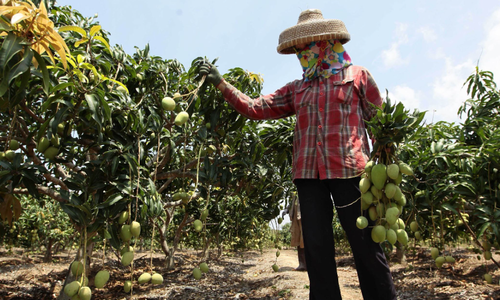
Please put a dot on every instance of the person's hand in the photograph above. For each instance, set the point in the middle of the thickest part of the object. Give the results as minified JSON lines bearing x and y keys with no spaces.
{"x":213,"y":75}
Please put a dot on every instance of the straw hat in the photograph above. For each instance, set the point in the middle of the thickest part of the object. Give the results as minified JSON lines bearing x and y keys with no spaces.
{"x":312,"y":27}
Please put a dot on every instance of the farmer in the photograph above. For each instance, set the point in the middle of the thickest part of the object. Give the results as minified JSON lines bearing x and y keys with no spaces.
{"x":297,"y":239}
{"x":331,"y":148}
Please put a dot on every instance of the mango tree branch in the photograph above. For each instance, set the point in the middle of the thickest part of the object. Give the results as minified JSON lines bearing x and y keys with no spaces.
{"x":74,"y":168}
{"x":180,"y":172}
{"x":31,"y":113}
{"x":165,"y":185}
{"x":47,"y":176}
{"x":61,"y":172}
{"x":43,"y":190}
{"x":474,"y":236}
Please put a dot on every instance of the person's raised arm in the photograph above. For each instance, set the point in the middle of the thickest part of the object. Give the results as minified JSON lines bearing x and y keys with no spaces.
{"x":272,"y":106}
{"x":213,"y":76}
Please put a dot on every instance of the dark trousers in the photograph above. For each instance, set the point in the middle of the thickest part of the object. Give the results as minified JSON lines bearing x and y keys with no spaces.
{"x":316,"y":208}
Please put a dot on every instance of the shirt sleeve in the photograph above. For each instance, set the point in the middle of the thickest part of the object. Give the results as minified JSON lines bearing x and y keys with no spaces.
{"x":273,"y":106}
{"x":369,"y":94}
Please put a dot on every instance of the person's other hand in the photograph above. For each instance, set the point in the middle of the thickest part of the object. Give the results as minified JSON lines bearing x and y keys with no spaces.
{"x":213,"y":75}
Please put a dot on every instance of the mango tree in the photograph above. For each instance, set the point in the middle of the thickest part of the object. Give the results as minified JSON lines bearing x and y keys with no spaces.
{"x":456,"y":192}
{"x":95,"y":130}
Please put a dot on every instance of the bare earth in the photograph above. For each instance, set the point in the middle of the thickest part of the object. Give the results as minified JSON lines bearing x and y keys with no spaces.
{"x":246,"y":275}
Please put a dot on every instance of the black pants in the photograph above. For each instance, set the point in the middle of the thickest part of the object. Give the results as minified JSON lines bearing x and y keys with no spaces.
{"x":316,"y":208}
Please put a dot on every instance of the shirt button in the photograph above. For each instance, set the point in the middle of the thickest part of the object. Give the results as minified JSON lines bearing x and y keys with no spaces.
{"x":321,"y":109}
{"x":320,"y":126}
{"x":319,"y":143}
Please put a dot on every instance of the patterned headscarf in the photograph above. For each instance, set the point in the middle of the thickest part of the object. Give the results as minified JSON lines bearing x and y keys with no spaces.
{"x":323,"y":58}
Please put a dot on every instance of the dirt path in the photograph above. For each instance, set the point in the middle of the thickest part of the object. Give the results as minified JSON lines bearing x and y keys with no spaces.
{"x":294,"y":284}
{"x":246,"y":276}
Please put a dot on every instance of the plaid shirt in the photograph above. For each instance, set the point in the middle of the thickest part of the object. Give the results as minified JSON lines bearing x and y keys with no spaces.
{"x":330,"y":138}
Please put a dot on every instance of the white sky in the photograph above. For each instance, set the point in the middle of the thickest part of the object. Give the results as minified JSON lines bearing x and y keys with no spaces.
{"x":420,"y":51}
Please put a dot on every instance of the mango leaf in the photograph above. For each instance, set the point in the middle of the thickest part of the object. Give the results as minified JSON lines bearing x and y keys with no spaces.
{"x":80,"y":75}
{"x":77,"y":29}
{"x":30,"y":185}
{"x":18,"y":18}
{"x":73,"y":212}
{"x":21,"y":89}
{"x":82,"y":41}
{"x":61,"y":86}
{"x":4,"y":25}
{"x":18,"y":69}
{"x":450,"y":207}
{"x":45,"y":73}
{"x":10,"y":208}
{"x":92,"y":103}
{"x":10,"y":47}
{"x":132,"y":162}
{"x":103,"y":40}
{"x":94,"y":30}
{"x":104,"y":78}
{"x":111,"y":200}
{"x":483,"y":229}
{"x":89,"y":67}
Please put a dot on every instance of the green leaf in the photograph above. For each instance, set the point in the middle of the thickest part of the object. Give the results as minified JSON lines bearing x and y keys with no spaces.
{"x":102,"y":40}
{"x":450,"y":207}
{"x":202,"y":133}
{"x":20,"y":94}
{"x":94,"y":30}
{"x":18,"y":69}
{"x":92,"y":103}
{"x":21,"y":66}
{"x":80,"y":75}
{"x":73,"y":213}
{"x":10,"y":47}
{"x":104,"y":78}
{"x":483,"y":228}
{"x":106,"y":109}
{"x":4,"y":25}
{"x":45,"y":73}
{"x":77,"y":29}
{"x":30,"y":185}
{"x":61,"y":86}
{"x":111,"y":200}
{"x":132,"y":162}
{"x":79,"y":42}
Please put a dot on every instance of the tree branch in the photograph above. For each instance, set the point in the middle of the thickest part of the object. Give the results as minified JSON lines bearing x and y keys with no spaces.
{"x":180,"y":172}
{"x":31,"y":113}
{"x":43,"y":190}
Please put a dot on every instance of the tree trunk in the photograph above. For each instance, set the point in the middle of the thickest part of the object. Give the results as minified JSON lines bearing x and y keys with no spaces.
{"x":205,"y":253}
{"x":178,"y":233}
{"x":170,"y":262}
{"x":69,"y":278}
{"x":220,"y":248}
{"x":48,"y":251}
{"x":69,"y":275}
{"x":400,"y":254}
{"x":169,"y":253}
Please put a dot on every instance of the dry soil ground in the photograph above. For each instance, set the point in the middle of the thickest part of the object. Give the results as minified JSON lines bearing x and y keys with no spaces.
{"x":246,"y":275}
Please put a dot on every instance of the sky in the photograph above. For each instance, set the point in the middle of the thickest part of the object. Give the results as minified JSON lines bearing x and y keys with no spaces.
{"x":420,"y":52}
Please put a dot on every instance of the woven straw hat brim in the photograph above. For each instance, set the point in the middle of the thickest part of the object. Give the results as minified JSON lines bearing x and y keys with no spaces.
{"x":313,"y":30}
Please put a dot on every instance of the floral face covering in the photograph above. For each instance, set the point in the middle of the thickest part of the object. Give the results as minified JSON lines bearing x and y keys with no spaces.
{"x":323,"y":58}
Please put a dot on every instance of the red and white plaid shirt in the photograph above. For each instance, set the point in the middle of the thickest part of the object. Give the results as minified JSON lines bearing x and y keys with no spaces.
{"x":330,"y":134}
